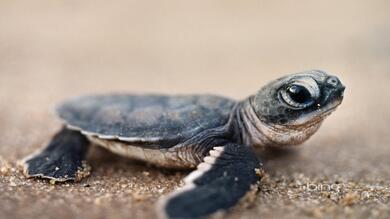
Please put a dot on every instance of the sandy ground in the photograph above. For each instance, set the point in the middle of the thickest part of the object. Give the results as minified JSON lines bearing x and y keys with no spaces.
{"x":53,"y":50}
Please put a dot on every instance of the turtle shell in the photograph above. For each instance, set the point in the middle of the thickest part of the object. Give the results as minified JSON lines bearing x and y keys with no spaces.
{"x":147,"y":119}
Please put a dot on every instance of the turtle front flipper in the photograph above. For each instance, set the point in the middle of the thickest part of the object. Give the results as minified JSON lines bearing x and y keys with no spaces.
{"x":224,"y":177}
{"x":61,"y":160}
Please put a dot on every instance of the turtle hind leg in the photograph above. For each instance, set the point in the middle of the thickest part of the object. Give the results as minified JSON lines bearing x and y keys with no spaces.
{"x":61,"y":160}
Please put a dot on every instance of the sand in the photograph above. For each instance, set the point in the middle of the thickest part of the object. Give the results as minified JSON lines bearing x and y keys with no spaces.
{"x":53,"y":50}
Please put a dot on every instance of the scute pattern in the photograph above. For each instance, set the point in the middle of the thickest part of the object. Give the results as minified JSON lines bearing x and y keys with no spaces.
{"x":146,"y":118}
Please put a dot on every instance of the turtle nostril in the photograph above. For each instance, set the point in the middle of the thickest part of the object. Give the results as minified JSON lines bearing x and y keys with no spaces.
{"x":334,"y":81}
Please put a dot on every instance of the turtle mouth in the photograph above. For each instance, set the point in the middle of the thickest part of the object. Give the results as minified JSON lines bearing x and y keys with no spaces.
{"x":319,"y":114}
{"x":330,"y":107}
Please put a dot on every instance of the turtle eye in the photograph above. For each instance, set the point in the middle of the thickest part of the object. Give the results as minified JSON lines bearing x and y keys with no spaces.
{"x":298,"y":96}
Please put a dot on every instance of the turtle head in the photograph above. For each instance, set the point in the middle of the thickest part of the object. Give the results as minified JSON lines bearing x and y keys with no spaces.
{"x":297,"y":103}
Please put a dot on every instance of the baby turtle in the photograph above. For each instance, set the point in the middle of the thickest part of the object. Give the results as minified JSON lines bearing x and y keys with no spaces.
{"x":210,"y":133}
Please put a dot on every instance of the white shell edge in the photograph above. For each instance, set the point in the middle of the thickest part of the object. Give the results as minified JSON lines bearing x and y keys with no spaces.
{"x":110,"y":137}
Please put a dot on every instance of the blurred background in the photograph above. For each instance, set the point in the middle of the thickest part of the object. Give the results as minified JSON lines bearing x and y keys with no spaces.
{"x":53,"y":50}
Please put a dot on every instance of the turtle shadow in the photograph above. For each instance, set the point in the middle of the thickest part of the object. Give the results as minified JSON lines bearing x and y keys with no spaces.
{"x":276,"y":158}
{"x":276,"y":153}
